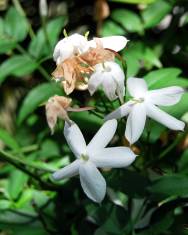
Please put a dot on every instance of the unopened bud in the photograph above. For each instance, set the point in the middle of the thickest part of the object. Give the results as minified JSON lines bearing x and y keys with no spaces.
{"x":43,"y":8}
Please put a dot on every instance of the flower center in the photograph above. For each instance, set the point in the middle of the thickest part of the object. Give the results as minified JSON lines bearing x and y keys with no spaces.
{"x":138,"y":100}
{"x":84,"y":157}
{"x":106,"y":68}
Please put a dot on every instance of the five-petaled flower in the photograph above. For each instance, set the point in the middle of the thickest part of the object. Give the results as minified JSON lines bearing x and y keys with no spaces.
{"x":144,"y":103}
{"x":93,"y":155}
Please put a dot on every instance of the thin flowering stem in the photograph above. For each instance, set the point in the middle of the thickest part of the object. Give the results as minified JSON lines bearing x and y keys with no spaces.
{"x":26,"y":149}
{"x":96,"y":114}
{"x":15,"y":160}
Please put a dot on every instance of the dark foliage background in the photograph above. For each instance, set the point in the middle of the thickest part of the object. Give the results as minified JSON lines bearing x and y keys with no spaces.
{"x":148,"y":198}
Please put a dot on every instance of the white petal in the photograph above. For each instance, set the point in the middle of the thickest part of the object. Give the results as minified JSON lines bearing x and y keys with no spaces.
{"x":165,"y":96}
{"x":112,"y":78}
{"x":115,"y":43}
{"x":62,"y":51}
{"x":93,"y":183}
{"x":164,"y":118}
{"x":114,"y":157}
{"x":135,"y":123}
{"x":70,"y":46}
{"x":122,"y":111}
{"x":75,"y":139}
{"x":119,"y":78}
{"x":68,"y":171}
{"x":103,"y":136}
{"x":94,"y":82}
{"x":109,"y":87}
{"x":137,"y":87}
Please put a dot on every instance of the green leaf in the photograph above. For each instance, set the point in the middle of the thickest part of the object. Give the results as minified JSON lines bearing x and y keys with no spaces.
{"x":151,"y":58}
{"x":133,"y":55}
{"x":133,"y":64}
{"x":16,"y":183}
{"x":5,"y":204}
{"x":134,"y":1}
{"x":39,"y":46}
{"x":158,"y":228}
{"x":16,"y":26}
{"x":180,"y":108}
{"x":155,"y":12}
{"x":139,"y":55}
{"x":49,"y":148}
{"x":8,"y":139}
{"x":134,"y":185}
{"x":170,"y":185}
{"x":87,"y":120}
{"x":6,"y":45}
{"x":1,"y":26}
{"x":160,"y":78}
{"x":18,"y":65}
{"x":128,"y":19}
{"x":37,"y":96}
{"x":183,"y":162}
{"x":111,"y":28}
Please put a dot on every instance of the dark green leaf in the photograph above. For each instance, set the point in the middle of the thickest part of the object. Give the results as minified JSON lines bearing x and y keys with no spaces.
{"x":37,"y":96}
{"x":39,"y":45}
{"x":183,"y":162}
{"x":8,"y":140}
{"x":160,"y":226}
{"x":5,"y":204}
{"x":111,"y":28}
{"x":128,"y":19}
{"x":6,"y":45}
{"x":162,"y":77}
{"x":16,"y":26}
{"x":16,"y":183}
{"x":155,"y":12}
{"x":180,"y":108}
{"x":18,"y":65}
{"x":49,"y":149}
{"x":170,"y":185}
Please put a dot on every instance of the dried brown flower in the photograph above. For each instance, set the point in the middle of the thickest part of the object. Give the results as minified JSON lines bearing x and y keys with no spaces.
{"x":75,"y":71}
{"x":58,"y":107}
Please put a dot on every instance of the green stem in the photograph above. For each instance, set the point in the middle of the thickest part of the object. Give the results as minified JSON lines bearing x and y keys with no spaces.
{"x":15,"y":161}
{"x":26,"y":149}
{"x":21,"y":165}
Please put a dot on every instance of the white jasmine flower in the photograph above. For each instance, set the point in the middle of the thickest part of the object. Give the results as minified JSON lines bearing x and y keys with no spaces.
{"x":144,"y":103}
{"x":93,"y":155}
{"x":115,"y":43}
{"x":111,"y":77}
{"x":70,"y":46}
